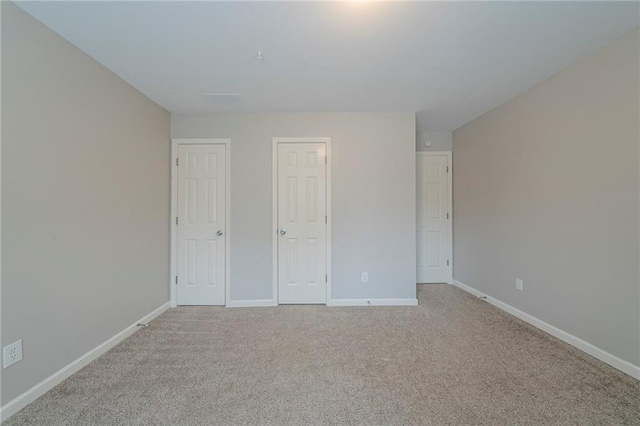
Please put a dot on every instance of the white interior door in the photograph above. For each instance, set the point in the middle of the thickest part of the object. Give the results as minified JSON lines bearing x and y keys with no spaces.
{"x":302,"y":228}
{"x":432,"y":228}
{"x":201,"y":223}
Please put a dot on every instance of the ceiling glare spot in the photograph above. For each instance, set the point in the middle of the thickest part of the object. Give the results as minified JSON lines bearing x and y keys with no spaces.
{"x":222,"y":98}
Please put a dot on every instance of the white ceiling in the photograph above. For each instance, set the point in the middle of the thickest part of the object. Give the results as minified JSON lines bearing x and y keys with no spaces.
{"x":448,"y":62}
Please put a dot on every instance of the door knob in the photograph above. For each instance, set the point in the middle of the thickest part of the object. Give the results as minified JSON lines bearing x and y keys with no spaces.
{"x":219,"y":233}
{"x":282,"y":232}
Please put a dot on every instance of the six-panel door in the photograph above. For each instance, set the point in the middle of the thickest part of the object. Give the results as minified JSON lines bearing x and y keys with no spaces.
{"x":201,"y":225}
{"x":432,"y":219}
{"x":302,"y":239}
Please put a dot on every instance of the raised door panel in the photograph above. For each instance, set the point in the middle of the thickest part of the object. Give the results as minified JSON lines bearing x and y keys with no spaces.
{"x":432,"y":228}
{"x":201,"y":197}
{"x":301,"y":216}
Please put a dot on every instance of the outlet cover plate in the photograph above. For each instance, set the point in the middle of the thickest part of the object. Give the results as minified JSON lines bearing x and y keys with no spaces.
{"x":519,"y":284}
{"x":365,"y":277}
{"x":11,"y":354}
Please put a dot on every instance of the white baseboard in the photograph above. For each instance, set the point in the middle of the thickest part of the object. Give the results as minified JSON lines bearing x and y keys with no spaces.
{"x":612,"y":360}
{"x":21,"y":401}
{"x":333,"y":302}
{"x":251,"y":303}
{"x":373,"y":302}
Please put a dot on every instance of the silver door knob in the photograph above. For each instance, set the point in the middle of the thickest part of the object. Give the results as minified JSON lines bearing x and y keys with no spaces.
{"x":282,"y":232}
{"x":219,"y":233}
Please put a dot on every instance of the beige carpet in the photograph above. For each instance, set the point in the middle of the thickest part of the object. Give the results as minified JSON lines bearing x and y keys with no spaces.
{"x":452,"y":360}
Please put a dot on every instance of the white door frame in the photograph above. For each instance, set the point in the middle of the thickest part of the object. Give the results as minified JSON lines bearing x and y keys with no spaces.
{"x":450,"y":206}
{"x":175,"y":143}
{"x":274,"y":204}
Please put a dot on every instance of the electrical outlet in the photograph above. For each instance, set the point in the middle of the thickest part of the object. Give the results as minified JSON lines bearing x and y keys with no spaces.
{"x":11,"y":354}
{"x":519,"y":284}
{"x":365,"y":277}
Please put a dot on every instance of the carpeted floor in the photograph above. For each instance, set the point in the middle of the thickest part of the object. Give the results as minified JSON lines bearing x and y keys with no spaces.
{"x":451,"y":360}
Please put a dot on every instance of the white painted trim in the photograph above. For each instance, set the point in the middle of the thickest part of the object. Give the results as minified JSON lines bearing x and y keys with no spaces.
{"x":174,"y":212}
{"x":602,"y":355}
{"x":373,"y":302}
{"x":274,"y":220}
{"x":251,"y":303}
{"x":21,"y":401}
{"x":173,"y":239}
{"x":227,"y":249}
{"x":329,"y":217}
{"x":274,"y":206}
{"x":449,"y":156}
{"x":0,"y":206}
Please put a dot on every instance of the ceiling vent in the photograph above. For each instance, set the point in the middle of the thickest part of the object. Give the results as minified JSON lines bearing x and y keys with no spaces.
{"x":222,"y":98}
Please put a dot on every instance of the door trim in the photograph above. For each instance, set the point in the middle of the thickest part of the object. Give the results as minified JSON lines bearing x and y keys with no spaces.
{"x":274,"y":206}
{"x":175,"y":143}
{"x":450,"y":206}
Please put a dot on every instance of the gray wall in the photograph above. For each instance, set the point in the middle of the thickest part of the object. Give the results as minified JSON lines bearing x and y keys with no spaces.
{"x":440,"y":141}
{"x":85,"y":201}
{"x":373,"y":197}
{"x":546,"y":189}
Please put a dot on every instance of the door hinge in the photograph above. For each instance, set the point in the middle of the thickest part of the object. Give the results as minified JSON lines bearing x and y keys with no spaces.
{"x":176,"y":161}
{"x":447,"y":215}
{"x":447,"y":169}
{"x":326,"y":220}
{"x":176,"y":220}
{"x":326,"y":278}
{"x":325,"y":160}
{"x":447,"y":262}
{"x":176,"y":280}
